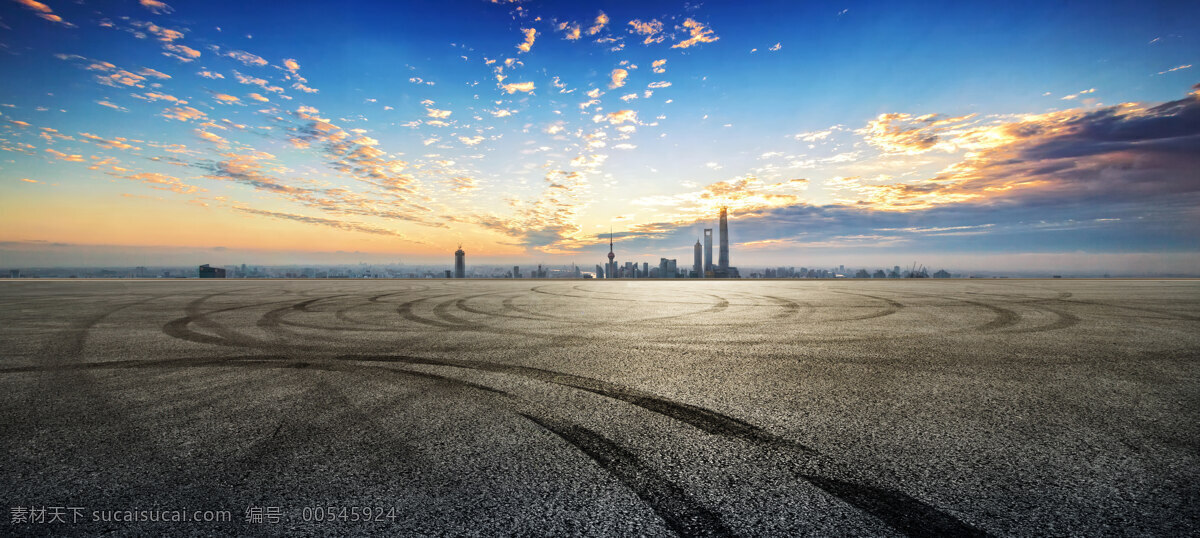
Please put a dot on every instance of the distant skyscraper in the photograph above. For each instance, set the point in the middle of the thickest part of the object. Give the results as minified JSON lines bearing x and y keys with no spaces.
{"x":698,"y":265}
{"x":645,"y":269}
{"x":708,"y":249}
{"x":516,"y":271}
{"x":611,"y":270}
{"x":599,"y":271}
{"x":723,"y":260}
{"x":460,"y":263}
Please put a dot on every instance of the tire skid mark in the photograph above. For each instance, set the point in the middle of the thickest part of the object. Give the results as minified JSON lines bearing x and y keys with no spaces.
{"x":789,"y":308}
{"x":678,"y":510}
{"x":245,"y":361}
{"x":1159,"y":311}
{"x":273,"y":321}
{"x":272,"y":318}
{"x":892,"y":308}
{"x":442,"y":311}
{"x":342,"y":314}
{"x":405,"y":310}
{"x":1004,"y":316}
{"x":1065,"y":320}
{"x":898,"y":510}
{"x":179,"y":328}
{"x":538,"y":289}
{"x":721,"y":304}
{"x":698,"y":417}
{"x":70,"y":341}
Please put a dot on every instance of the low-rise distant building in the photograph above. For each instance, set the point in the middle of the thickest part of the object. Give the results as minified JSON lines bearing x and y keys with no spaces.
{"x":207,"y":271}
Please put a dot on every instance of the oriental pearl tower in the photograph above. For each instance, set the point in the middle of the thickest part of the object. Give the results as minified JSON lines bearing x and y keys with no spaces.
{"x":612,"y":265}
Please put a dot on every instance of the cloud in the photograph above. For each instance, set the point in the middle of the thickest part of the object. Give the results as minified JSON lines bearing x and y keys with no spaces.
{"x":163,"y":182}
{"x":112,"y":106}
{"x":439,"y":114}
{"x":600,"y":23}
{"x":571,"y":30}
{"x":331,"y":223}
{"x":291,"y":65}
{"x":210,"y":74}
{"x":1173,"y":69}
{"x":210,"y":137}
{"x":259,"y":98}
{"x":146,"y":71}
{"x":470,"y":141}
{"x":246,"y":58}
{"x":813,"y":136}
{"x":530,"y":35}
{"x":64,"y":157}
{"x":657,"y":85}
{"x":303,"y":88}
{"x":156,"y":7}
{"x":657,"y":66}
{"x":226,"y":98}
{"x":186,"y":113}
{"x":518,"y":87}
{"x":618,"y":78}
{"x":115,"y":143}
{"x":652,"y":30}
{"x":255,"y":81}
{"x":1110,"y":154}
{"x":698,"y":33}
{"x":776,"y":47}
{"x":904,"y":133}
{"x":1074,"y":95}
{"x":44,"y":11}
{"x":181,"y":52}
{"x":618,"y":117}
{"x":746,"y":195}
{"x":111,"y":75}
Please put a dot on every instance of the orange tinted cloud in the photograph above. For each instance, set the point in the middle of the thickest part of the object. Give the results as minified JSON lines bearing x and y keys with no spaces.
{"x":697,"y":32}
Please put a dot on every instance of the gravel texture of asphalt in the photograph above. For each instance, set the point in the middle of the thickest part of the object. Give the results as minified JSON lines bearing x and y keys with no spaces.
{"x":579,"y":407}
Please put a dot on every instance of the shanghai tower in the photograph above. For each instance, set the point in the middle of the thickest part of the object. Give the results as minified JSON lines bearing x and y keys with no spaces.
{"x":723,"y":257}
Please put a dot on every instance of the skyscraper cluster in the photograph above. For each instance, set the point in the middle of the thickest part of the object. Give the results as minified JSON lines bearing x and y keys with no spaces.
{"x":702,"y":260}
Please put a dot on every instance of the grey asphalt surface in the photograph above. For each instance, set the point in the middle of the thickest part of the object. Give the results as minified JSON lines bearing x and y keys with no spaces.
{"x":560,"y":407}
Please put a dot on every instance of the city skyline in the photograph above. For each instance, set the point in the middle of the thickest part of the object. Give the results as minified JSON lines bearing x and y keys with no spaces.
{"x":151,"y":133}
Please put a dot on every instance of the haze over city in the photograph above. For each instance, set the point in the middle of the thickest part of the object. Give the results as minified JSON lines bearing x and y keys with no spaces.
{"x":1044,"y":137}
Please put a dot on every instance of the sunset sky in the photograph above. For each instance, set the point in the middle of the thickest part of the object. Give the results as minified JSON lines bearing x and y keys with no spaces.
{"x":1020,"y":134}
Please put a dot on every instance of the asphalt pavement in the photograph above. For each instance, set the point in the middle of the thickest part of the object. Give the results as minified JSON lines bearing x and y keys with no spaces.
{"x":577,"y":407}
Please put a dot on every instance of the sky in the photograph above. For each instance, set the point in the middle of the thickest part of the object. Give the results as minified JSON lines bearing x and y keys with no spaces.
{"x":1013,"y":135}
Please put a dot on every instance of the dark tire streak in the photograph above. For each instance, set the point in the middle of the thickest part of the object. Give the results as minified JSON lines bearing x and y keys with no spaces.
{"x":893,"y":307}
{"x":698,"y":417}
{"x":898,"y":510}
{"x":1004,"y":316}
{"x":678,"y":510}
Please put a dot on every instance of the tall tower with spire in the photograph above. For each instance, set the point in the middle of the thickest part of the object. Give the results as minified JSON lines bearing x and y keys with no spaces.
{"x":723,"y":257}
{"x":698,"y":261}
{"x":610,"y":271}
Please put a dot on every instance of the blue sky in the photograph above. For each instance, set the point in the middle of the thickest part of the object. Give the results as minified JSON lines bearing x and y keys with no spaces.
{"x":525,"y":130}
